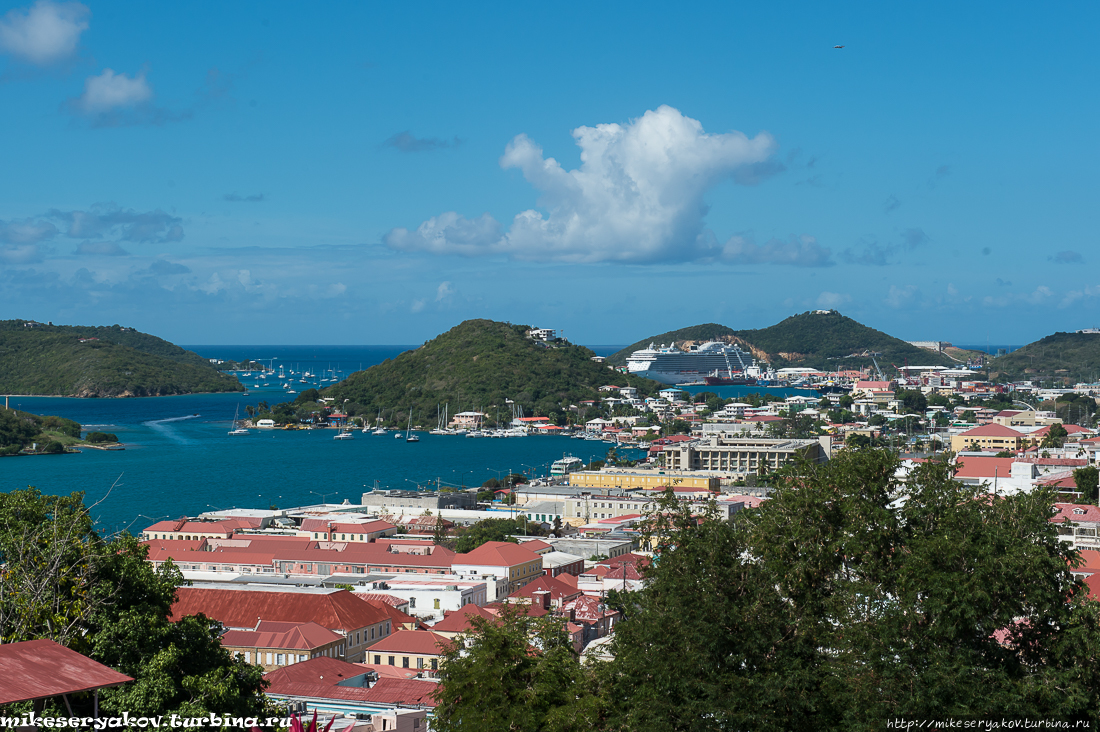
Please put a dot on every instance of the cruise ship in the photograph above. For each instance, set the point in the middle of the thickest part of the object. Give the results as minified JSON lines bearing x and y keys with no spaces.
{"x":673,"y":366}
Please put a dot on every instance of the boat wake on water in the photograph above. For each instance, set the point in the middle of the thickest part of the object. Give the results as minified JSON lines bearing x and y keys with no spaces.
{"x":171,"y":419}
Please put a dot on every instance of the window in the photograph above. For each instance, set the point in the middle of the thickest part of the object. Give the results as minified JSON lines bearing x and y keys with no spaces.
{"x":377,"y":660}
{"x":391,"y":663}
{"x":248,"y":656}
{"x":412,"y":602}
{"x":372,"y":633}
{"x":357,"y":638}
{"x":437,"y":603}
{"x":435,"y":664}
{"x":404,"y":662}
{"x":420,"y":663}
{"x":280,"y":659}
{"x":270,"y":658}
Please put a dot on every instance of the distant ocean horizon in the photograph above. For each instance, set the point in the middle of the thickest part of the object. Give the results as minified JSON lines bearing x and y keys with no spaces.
{"x":991,"y":350}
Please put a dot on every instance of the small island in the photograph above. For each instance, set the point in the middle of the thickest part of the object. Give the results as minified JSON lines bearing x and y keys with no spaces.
{"x":23,"y":433}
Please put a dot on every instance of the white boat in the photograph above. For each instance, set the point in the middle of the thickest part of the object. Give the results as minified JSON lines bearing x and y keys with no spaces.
{"x":379,"y":431}
{"x":344,"y":435}
{"x":409,"y":436}
{"x":236,"y":429}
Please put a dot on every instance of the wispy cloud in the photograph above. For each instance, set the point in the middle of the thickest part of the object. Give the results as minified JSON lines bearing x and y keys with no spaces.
{"x":444,"y":291}
{"x":100,"y":249}
{"x":637,"y":197}
{"x":26,"y":231}
{"x":109,"y":220}
{"x":45,"y":33}
{"x":802,"y":251}
{"x":1066,"y":257}
{"x":832,"y":299}
{"x":891,"y":204}
{"x":406,"y":142}
{"x":937,"y":177}
{"x":879,"y":255}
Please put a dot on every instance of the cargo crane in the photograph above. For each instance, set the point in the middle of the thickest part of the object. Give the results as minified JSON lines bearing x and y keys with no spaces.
{"x":881,"y":376}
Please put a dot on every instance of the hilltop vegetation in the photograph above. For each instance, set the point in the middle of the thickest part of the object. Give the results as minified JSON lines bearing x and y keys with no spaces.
{"x":822,"y":340}
{"x":66,"y":360}
{"x":478,"y":365}
{"x":1062,"y":357}
{"x":19,"y":430}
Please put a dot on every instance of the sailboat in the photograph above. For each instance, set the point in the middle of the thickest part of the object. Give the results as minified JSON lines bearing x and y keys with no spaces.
{"x":409,"y":436}
{"x":378,"y":429}
{"x":238,"y":430}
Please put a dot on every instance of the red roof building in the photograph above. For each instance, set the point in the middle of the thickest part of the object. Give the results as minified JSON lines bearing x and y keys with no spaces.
{"x":361,"y":623}
{"x":275,"y":644}
{"x":410,"y":649}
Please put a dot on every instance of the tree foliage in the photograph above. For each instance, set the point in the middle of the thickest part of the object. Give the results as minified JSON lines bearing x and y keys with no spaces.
{"x":514,"y":674}
{"x":847,"y":599}
{"x":479,"y":365}
{"x":61,"y":580}
{"x":835,"y":605}
{"x":494,"y":529}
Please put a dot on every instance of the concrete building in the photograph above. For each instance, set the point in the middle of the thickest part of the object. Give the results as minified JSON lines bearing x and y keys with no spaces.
{"x":647,"y":479}
{"x":604,"y":504}
{"x":722,"y":454}
{"x":418,"y":501}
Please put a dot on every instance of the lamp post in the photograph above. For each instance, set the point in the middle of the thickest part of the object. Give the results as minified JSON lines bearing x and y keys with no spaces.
{"x":323,"y":496}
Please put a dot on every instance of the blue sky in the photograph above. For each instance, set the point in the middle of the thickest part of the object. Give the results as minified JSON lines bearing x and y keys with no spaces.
{"x":359,"y":173}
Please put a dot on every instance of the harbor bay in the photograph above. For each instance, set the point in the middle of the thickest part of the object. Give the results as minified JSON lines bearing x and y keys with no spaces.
{"x":179,"y":460}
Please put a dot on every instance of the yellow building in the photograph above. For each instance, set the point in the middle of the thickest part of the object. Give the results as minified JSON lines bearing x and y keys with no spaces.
{"x":628,"y":481}
{"x":991,"y":438}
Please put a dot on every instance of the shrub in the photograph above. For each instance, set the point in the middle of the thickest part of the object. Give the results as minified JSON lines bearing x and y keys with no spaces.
{"x":98,"y":437}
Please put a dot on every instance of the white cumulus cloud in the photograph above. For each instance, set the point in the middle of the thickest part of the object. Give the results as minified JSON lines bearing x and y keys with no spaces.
{"x":44,"y":33}
{"x":638,"y":196}
{"x":110,"y":91}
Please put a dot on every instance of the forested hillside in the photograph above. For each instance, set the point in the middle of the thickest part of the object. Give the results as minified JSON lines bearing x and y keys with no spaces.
{"x":479,"y":365}
{"x":100,"y":362}
{"x":1062,"y":357}
{"x":824,"y":340}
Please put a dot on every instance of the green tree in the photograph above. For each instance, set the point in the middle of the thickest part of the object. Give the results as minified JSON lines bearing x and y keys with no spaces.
{"x":1087,"y":479}
{"x":1056,"y":436}
{"x":307,"y":396}
{"x":62,"y":581}
{"x":516,"y":674}
{"x":495,"y":529}
{"x":835,"y":606}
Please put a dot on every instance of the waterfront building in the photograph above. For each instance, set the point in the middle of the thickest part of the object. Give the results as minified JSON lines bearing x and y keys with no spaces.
{"x":722,"y":454}
{"x":636,"y":480}
{"x":418,"y":501}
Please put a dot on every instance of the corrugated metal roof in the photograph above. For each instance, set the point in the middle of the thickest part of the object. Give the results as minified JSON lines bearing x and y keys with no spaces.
{"x":241,"y":608}
{"x":42,"y":668}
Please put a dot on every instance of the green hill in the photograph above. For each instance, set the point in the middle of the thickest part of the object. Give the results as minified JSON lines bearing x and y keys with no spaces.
{"x":816,"y":339}
{"x":106,"y":361}
{"x":704,"y":332}
{"x":477,"y":366}
{"x":1063,"y":357}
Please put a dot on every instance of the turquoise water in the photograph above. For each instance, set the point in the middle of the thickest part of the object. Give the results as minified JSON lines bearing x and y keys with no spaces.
{"x":180,"y":461}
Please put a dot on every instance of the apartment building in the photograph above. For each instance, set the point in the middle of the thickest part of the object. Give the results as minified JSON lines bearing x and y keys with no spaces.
{"x":738,"y":456}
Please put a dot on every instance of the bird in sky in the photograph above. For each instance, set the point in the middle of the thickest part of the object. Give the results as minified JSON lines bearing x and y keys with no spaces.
{"x":838,"y":46}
